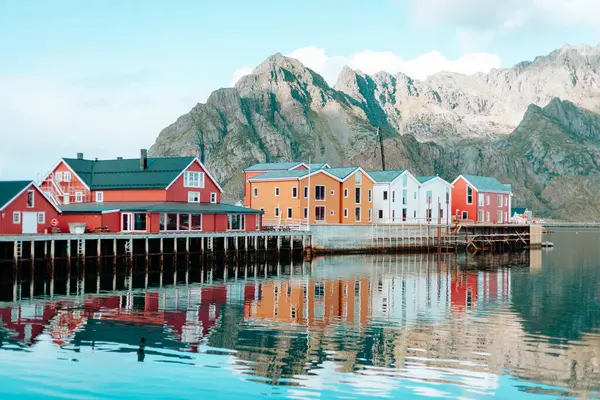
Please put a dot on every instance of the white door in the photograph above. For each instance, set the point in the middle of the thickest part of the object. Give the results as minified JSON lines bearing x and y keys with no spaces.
{"x":29,"y":222}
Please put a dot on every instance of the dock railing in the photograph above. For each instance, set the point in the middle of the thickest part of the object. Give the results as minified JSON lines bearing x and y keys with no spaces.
{"x":285,"y":224}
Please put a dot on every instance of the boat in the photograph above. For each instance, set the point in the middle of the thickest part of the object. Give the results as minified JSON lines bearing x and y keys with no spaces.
{"x":547,"y":244}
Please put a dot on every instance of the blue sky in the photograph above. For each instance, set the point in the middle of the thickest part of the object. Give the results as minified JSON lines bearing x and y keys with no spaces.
{"x":105,"y":77}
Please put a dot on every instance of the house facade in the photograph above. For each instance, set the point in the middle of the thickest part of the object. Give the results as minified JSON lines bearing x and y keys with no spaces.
{"x":326,"y":195}
{"x":25,"y":209}
{"x":396,"y":197}
{"x":481,"y":199}
{"x":435,"y":200}
{"x":163,"y":194}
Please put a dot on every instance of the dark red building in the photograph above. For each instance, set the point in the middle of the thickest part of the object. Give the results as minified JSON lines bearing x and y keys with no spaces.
{"x":24,"y":208}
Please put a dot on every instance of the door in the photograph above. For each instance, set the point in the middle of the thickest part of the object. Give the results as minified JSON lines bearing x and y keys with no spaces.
{"x":126,"y":222}
{"x":30,"y":222}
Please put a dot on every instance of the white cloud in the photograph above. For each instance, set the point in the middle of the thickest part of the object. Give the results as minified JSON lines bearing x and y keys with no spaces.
{"x":45,"y":118}
{"x":372,"y":62}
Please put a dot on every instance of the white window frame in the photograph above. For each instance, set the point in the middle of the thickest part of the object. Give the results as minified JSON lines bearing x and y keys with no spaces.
{"x":306,"y":192}
{"x":99,"y":197}
{"x":324,"y":192}
{"x":277,"y":191}
{"x":41,"y":218}
{"x":66,"y":176}
{"x":58,"y":176}
{"x":500,"y":201}
{"x":255,"y":192}
{"x":487,"y":200}
{"x":324,"y":213}
{"x":499,"y":216}
{"x":331,"y":213}
{"x":370,"y":195}
{"x":480,"y":216}
{"x":242,"y":223}
{"x":345,"y":213}
{"x":359,"y":197}
{"x":385,"y":195}
{"x":16,"y":218}
{"x":277,"y":212}
{"x":78,"y":197}
{"x":32,"y":199}
{"x":345,"y":193}
{"x":472,"y":194}
{"x":294,"y":195}
{"x":192,"y":197}
{"x":359,"y":214}
{"x":213,"y":198}
{"x":196,"y":182}
{"x":481,"y":199}
{"x":487,"y":216}
{"x":290,"y":213}
{"x":464,"y":215}
{"x":370,"y":215}
{"x":66,"y":198}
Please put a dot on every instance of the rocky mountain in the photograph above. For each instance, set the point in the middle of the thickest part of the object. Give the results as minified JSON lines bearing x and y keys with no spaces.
{"x":450,"y":123}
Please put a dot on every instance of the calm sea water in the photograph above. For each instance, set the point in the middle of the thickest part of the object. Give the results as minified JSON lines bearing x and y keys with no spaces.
{"x":503,"y":326}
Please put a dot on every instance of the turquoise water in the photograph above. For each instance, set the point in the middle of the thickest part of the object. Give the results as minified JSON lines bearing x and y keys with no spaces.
{"x":504,"y":326}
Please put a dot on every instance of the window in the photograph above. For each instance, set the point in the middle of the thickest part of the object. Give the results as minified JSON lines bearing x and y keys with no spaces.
{"x":196,"y":224}
{"x":193,"y":197}
{"x":99,"y":197}
{"x":320,"y":193}
{"x":289,"y":213}
{"x":306,"y":192}
{"x":370,"y":195}
{"x":370,"y":214}
{"x":404,"y":196}
{"x":499,"y":217}
{"x":168,"y":222}
{"x":404,"y":214}
{"x":487,"y":217}
{"x":441,"y":213}
{"x":393,"y":196}
{"x":213,"y":198}
{"x":346,"y":193}
{"x":487,"y":199}
{"x":41,"y":216}
{"x":469,"y":195}
{"x":277,"y":211}
{"x":16,"y":218}
{"x":139,"y":222}
{"x":67,"y":177}
{"x":357,"y":195}
{"x":429,"y":196}
{"x":331,"y":192}
{"x":255,"y":192}
{"x":236,"y":222}
{"x":481,"y":199}
{"x":66,"y":198}
{"x":331,"y":213}
{"x":78,"y":197}
{"x":319,"y":213}
{"x":357,"y":214}
{"x":30,"y":199}
{"x":429,"y":214}
{"x":276,"y":192}
{"x":415,"y":214}
{"x":380,"y":214}
{"x":500,"y":198}
{"x":465,"y":215}
{"x":404,"y":180}
{"x":193,"y":179}
{"x":58,"y":176}
{"x":305,"y":213}
{"x":358,"y":178}
{"x":184,"y":222}
{"x":480,"y":216}
{"x":257,"y":222}
{"x":393,"y":215}
{"x":294,"y":192}
{"x":345,"y":213}
{"x":385,"y":195}
{"x":415,"y":195}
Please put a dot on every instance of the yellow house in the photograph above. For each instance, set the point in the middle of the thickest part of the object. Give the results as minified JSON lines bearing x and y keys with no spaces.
{"x":326,"y":196}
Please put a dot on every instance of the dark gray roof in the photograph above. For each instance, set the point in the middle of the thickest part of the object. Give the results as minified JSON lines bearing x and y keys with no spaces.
{"x":167,"y":206}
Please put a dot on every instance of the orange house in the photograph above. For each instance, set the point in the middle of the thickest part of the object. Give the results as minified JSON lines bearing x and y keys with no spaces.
{"x":326,"y":196}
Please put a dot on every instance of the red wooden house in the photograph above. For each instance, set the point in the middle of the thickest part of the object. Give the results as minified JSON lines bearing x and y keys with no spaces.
{"x":481,"y":199}
{"x":145,"y":195}
{"x":24,"y":208}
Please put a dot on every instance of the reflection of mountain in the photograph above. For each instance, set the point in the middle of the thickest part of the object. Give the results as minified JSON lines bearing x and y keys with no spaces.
{"x":414,"y":317}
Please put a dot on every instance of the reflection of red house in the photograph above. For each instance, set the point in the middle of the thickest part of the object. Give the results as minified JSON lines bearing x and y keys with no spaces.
{"x":27,"y":326}
{"x":463,"y":293}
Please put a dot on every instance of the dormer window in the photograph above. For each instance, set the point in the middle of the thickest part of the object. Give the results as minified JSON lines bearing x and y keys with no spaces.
{"x":193,"y":179}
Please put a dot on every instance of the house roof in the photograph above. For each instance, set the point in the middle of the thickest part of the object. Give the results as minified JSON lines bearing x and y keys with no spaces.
{"x":10,"y":189}
{"x":315,"y":166}
{"x":386,"y":176}
{"x":294,"y":174}
{"x":486,"y":183}
{"x":166,"y":206}
{"x":126,"y":173}
{"x":518,"y":210}
{"x":342,"y":172}
{"x":424,"y":179}
{"x":280,"y":166}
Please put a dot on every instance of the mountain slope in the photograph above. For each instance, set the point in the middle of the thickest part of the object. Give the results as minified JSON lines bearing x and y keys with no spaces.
{"x":448,"y":124}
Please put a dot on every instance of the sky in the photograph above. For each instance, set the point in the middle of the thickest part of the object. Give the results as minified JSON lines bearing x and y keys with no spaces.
{"x":105,"y":77}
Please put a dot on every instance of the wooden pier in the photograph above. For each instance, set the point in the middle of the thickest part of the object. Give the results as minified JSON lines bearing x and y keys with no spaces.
{"x":71,"y":247}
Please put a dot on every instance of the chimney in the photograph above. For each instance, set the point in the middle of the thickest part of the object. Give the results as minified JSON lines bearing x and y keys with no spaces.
{"x":119,"y":158}
{"x":143,"y":159}
{"x":80,"y":156}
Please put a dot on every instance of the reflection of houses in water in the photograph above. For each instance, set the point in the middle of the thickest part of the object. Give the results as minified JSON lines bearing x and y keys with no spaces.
{"x":468,"y":288}
{"x":312,"y":302}
{"x":27,"y":321}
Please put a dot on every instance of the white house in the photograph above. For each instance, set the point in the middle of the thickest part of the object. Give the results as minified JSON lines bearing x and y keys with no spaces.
{"x":435,"y":200}
{"x":396,"y":197}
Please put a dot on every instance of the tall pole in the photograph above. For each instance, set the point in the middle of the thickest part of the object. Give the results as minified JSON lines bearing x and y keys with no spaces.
{"x":381,"y":148}
{"x":308,"y":205}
